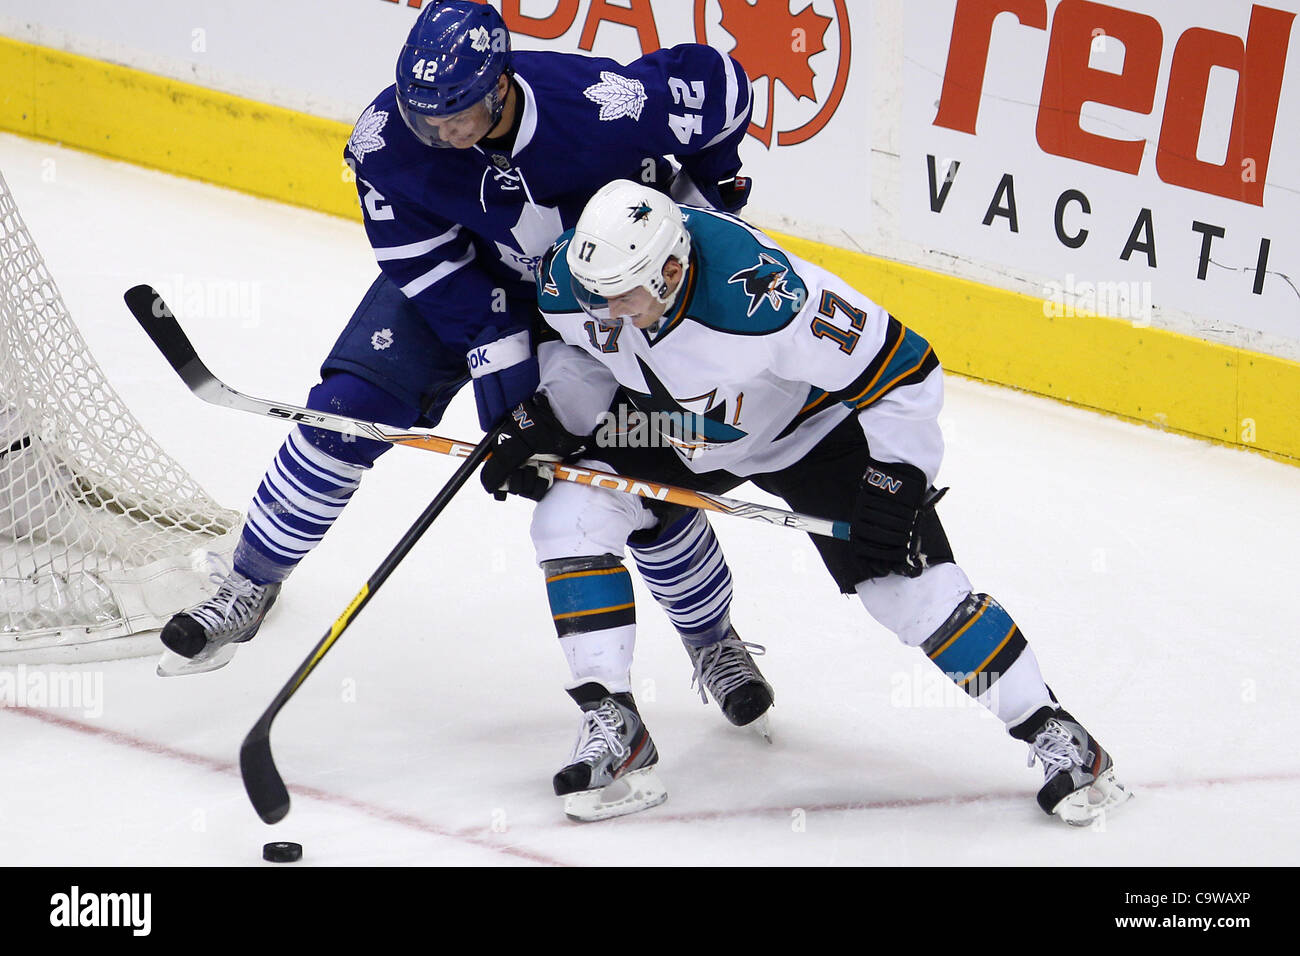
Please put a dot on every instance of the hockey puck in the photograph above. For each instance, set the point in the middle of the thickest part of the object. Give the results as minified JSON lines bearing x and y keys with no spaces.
{"x":282,"y":852}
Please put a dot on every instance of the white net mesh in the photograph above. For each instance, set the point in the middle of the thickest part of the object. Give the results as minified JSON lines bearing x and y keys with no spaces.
{"x":92,"y":512}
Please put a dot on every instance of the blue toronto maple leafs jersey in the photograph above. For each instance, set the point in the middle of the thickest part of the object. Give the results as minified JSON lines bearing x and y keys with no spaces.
{"x":761,"y":355}
{"x":462,"y":231}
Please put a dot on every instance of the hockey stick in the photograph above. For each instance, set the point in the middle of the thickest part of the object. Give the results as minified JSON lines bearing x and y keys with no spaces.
{"x":262,"y":781}
{"x":158,"y":321}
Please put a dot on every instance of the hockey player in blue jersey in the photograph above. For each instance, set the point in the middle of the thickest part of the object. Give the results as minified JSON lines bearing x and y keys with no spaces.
{"x":467,"y":169}
{"x":754,"y":366}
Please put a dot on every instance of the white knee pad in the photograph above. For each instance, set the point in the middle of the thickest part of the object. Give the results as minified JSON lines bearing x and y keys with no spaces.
{"x":577,"y":520}
{"x":914,"y":608}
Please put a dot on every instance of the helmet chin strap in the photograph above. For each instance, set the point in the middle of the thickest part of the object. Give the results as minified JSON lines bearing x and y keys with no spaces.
{"x":496,"y":103}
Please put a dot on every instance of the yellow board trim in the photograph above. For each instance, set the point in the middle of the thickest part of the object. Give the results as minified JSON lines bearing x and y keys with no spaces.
{"x":176,"y":127}
{"x":1176,"y":382}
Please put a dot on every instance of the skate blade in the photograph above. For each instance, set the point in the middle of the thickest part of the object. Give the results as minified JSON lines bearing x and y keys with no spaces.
{"x":763,"y":727}
{"x":1083,"y":807}
{"x":631,"y":793}
{"x":172,"y":664}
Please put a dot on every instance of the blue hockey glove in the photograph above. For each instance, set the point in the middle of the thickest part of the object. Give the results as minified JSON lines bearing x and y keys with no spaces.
{"x":504,"y":369}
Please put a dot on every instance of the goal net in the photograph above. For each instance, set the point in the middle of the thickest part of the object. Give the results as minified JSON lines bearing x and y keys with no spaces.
{"x":102,"y":534}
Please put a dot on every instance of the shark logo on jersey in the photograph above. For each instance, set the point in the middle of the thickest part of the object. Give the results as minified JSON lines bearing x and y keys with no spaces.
{"x":365,"y":136}
{"x":764,"y":281}
{"x":617,"y":95}
{"x":691,"y":430}
{"x":640,"y":213}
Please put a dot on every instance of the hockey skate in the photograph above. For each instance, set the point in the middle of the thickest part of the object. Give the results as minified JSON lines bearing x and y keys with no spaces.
{"x":612,"y":770}
{"x":728,"y":672}
{"x":205,"y":637}
{"x":1079,"y":782}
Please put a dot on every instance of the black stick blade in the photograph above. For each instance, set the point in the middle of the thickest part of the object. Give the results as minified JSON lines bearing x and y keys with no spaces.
{"x":266,"y":790}
{"x":161,"y":326}
{"x":158,"y":321}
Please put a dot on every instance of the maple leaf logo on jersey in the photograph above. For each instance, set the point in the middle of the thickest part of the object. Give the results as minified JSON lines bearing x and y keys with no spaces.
{"x":534,"y":232}
{"x":617,"y":95}
{"x":765,"y":280}
{"x":365,"y":136}
{"x":479,"y":39}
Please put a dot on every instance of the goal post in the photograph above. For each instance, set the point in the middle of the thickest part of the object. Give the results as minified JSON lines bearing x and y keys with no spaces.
{"x":102,"y":534}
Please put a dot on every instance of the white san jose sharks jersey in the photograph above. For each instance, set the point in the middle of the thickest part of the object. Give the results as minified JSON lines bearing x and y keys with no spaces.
{"x":760,"y":357}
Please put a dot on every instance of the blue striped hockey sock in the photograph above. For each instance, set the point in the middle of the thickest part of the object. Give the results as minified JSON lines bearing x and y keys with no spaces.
{"x":685,"y":570}
{"x":301,"y":495}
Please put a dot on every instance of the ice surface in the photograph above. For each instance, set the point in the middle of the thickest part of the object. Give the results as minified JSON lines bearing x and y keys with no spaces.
{"x":1152,"y":573}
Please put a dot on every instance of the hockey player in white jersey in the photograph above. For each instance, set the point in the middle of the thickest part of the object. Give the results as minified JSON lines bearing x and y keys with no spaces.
{"x":466,"y":172}
{"x":752,"y":365}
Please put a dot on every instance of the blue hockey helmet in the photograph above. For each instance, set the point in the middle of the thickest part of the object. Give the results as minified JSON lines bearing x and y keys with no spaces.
{"x":450,"y":66}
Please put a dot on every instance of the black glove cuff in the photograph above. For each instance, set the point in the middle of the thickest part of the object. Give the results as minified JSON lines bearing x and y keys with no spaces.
{"x":533,"y":421}
{"x":532,"y":429}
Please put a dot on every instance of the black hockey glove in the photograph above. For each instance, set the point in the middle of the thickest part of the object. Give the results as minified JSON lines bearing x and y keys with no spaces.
{"x":532,"y":429}
{"x":890,"y":501}
{"x":735,"y":193}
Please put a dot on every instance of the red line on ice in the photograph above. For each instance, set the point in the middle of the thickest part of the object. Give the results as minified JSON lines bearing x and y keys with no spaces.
{"x":230,"y":767}
{"x":467,"y":836}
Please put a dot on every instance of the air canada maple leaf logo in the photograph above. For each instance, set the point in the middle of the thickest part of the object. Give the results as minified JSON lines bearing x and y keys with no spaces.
{"x":776,"y":44}
{"x":782,"y":46}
